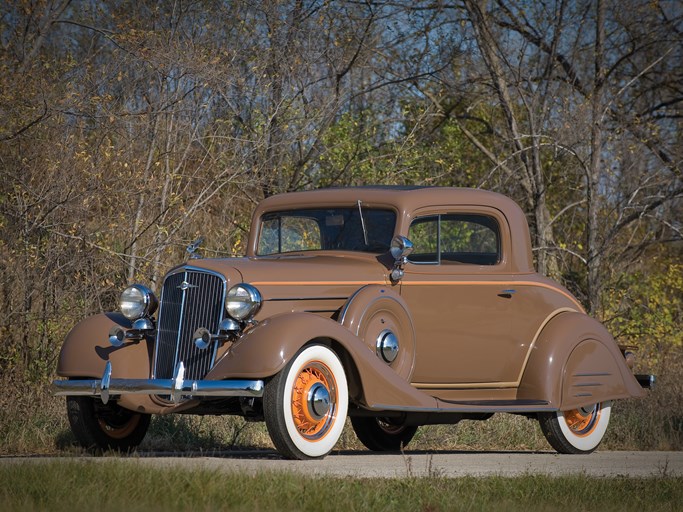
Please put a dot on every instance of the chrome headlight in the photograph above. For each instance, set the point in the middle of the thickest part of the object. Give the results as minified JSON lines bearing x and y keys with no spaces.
{"x":243,"y":301}
{"x":137,"y":301}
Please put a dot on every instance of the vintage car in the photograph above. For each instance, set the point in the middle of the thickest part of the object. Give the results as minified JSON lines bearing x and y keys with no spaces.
{"x":394,"y":306}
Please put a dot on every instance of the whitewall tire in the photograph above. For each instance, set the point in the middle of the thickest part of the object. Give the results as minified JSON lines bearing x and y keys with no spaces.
{"x":305,"y":405}
{"x":578,"y":430}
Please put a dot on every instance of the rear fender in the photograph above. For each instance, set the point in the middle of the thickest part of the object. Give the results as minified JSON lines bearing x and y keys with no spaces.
{"x":268,"y":347}
{"x":575,"y":362}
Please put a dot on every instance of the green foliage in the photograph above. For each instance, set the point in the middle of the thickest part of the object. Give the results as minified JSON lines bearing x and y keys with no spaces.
{"x":646,"y":309}
{"x":356,"y":153}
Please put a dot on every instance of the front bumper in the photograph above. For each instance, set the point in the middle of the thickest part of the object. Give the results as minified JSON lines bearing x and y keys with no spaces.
{"x":175,"y":388}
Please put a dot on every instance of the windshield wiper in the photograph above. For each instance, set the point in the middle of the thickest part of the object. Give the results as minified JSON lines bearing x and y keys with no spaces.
{"x":362,"y":222}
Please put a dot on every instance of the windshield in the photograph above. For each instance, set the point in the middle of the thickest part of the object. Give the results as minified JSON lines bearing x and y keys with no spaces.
{"x":354,"y":228}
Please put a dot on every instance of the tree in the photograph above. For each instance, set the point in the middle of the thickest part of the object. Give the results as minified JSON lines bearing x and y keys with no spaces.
{"x":131,"y":128}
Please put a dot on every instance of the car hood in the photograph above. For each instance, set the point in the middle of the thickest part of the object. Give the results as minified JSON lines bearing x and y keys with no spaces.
{"x":301,"y":275}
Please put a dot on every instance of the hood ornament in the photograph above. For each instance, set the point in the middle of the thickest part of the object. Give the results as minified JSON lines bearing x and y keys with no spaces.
{"x":192,"y":248}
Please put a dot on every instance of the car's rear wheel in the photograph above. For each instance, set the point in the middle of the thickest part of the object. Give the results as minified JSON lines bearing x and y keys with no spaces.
{"x":305,"y":405}
{"x":105,"y":427}
{"x":382,"y":434}
{"x":578,"y":430}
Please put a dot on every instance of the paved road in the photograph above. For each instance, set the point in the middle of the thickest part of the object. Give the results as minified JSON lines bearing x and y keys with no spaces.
{"x":447,"y":464}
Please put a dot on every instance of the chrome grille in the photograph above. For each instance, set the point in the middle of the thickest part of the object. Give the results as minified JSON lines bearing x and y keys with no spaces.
{"x":189,"y":299}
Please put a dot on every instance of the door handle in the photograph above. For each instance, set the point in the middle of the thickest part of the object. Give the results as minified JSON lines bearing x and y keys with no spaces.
{"x":507,"y":294}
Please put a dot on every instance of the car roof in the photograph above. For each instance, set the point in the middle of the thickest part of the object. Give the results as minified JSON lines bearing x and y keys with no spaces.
{"x":408,"y":199}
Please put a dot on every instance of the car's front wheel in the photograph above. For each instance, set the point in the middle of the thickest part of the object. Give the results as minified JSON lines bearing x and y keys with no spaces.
{"x":105,"y":427}
{"x":578,"y":430}
{"x":382,"y":434}
{"x":305,"y":405}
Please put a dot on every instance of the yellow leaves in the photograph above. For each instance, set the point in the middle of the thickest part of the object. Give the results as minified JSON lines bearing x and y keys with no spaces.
{"x":564,"y":246}
{"x":237,"y":247}
{"x":648,"y":310}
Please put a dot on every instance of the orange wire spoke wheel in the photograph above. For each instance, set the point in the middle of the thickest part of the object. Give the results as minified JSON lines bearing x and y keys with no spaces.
{"x":119,"y":429}
{"x":390,"y":428}
{"x":582,"y":421}
{"x":314,"y":399}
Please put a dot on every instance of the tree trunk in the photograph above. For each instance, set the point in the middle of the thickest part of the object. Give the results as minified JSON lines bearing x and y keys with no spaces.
{"x":531,"y":176}
{"x":594,"y":171}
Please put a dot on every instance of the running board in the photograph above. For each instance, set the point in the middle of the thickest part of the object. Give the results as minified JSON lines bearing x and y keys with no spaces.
{"x":475,"y":406}
{"x":496,"y":403}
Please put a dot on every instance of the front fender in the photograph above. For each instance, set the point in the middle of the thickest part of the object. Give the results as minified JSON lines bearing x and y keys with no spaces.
{"x":86,"y":350}
{"x":267,"y":348}
{"x":576,"y":362}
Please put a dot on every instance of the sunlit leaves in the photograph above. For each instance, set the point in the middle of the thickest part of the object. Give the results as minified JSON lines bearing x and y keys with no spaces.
{"x":647,"y":310}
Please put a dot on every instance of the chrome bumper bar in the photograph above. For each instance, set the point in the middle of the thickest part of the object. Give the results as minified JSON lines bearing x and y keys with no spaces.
{"x":646,"y":381}
{"x":176,"y":387}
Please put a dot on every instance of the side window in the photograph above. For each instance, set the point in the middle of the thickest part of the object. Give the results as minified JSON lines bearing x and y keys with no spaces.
{"x":424,"y":233}
{"x":289,"y":234}
{"x":455,"y":239}
{"x":469,"y":239}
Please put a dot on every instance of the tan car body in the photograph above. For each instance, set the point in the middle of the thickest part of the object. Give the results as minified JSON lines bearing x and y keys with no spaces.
{"x":473,"y":338}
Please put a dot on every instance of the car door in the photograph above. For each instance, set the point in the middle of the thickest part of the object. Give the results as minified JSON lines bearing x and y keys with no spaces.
{"x":459,"y":290}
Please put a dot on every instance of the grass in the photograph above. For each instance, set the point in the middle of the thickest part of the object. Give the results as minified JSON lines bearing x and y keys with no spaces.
{"x":34,"y":422}
{"x":117,"y":485}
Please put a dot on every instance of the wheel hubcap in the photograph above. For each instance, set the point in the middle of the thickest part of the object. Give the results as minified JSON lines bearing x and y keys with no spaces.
{"x":318,"y":401}
{"x":387,"y":346}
